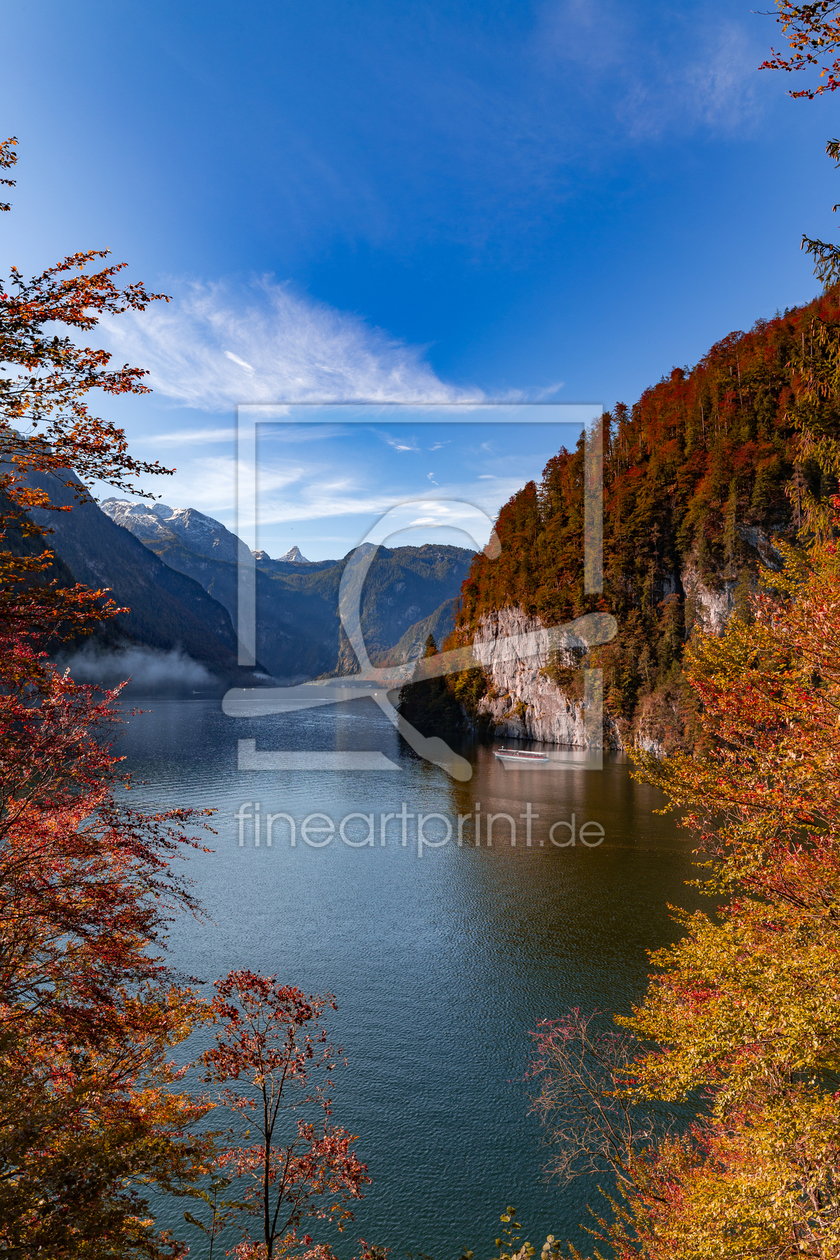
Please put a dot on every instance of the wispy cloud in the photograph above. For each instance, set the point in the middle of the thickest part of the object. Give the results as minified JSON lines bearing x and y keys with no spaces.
{"x":540,"y":393}
{"x":715,"y":90}
{"x":653,"y":70}
{"x":234,"y":358}
{"x":401,"y":444}
{"x":179,"y":436}
{"x":340,"y":499}
{"x":209,"y":483}
{"x":219,"y":344}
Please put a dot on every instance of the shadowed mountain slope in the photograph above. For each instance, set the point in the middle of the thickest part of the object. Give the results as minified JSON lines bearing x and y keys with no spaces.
{"x":168,"y":610}
{"x":298,"y":628}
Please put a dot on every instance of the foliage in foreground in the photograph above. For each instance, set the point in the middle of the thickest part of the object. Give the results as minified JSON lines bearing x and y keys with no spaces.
{"x":744,"y":1012}
{"x":90,"y":1107}
{"x":275,"y":1065}
{"x":746,"y":1005}
{"x":90,"y":1110}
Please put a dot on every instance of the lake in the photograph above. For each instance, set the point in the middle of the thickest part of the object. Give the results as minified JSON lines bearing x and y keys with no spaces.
{"x":441,"y":959}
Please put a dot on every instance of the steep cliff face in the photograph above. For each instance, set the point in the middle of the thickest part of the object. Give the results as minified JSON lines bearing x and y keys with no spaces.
{"x":522,"y":701}
{"x":705,"y":479}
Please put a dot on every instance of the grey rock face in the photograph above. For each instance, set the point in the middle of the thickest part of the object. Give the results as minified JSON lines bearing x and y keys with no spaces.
{"x":713,"y":608}
{"x":521,"y":700}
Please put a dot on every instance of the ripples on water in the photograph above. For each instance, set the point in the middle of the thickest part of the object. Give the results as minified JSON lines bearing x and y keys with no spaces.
{"x":440,"y":964}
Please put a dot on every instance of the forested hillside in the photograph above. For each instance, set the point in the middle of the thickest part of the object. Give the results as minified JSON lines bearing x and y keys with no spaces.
{"x":701,"y":476}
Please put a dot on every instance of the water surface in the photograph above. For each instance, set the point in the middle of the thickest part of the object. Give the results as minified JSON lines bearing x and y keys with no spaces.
{"x":441,"y":963}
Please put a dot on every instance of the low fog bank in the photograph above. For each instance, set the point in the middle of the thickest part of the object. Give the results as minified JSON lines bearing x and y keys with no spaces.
{"x":148,"y":669}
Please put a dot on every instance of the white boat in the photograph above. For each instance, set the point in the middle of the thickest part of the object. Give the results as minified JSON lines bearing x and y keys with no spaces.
{"x":519,"y":754}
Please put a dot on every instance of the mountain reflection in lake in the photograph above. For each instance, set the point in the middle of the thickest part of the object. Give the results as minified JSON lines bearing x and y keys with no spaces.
{"x":441,"y":963}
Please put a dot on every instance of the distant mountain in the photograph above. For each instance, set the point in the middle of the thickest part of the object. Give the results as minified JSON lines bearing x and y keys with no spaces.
{"x":295,"y":556}
{"x":168,"y":610}
{"x":156,"y":523}
{"x":298,"y":628}
{"x":439,"y":624}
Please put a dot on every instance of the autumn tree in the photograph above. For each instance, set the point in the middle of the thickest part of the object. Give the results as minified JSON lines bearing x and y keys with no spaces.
{"x":90,"y":1108}
{"x":275,"y":1066}
{"x":592,"y":1128}
{"x":742,"y":1013}
{"x":813,"y":34}
{"x":46,"y":425}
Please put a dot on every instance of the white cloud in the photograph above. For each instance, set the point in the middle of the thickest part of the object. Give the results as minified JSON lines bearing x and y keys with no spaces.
{"x":219,"y":344}
{"x":317,"y":500}
{"x":209,"y":484}
{"x":401,"y":445}
{"x":188,"y":435}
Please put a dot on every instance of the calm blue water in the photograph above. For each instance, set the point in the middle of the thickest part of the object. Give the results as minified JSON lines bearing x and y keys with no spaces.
{"x":441,"y":964}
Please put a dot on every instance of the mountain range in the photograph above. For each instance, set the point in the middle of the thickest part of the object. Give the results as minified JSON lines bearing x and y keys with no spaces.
{"x":176,"y":571}
{"x":298,"y":628}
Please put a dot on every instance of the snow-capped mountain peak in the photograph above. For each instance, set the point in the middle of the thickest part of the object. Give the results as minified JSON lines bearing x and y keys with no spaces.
{"x":158,"y":523}
{"x":295,"y":556}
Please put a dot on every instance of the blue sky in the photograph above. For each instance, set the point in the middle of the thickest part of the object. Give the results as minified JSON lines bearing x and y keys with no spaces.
{"x":330,"y":477}
{"x":410,"y":201}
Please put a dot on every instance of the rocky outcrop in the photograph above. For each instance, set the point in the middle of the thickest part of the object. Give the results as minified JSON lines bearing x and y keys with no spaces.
{"x":713,"y":606}
{"x":293,"y":556}
{"x":521,"y":700}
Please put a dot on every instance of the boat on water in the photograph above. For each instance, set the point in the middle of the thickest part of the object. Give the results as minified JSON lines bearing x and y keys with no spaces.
{"x":519,"y":754}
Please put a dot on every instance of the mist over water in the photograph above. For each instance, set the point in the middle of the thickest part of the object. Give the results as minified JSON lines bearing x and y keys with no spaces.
{"x":441,"y":962}
{"x":147,"y":669}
